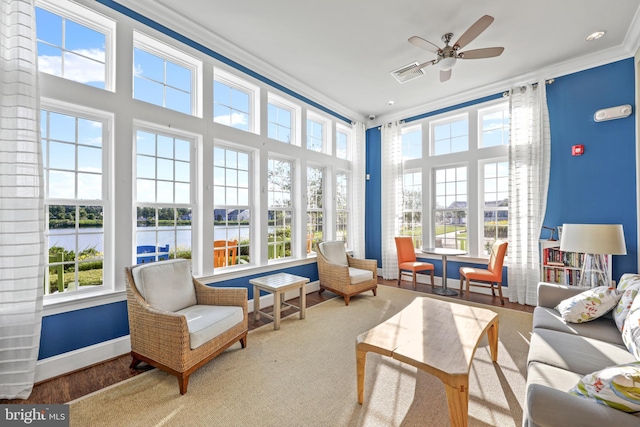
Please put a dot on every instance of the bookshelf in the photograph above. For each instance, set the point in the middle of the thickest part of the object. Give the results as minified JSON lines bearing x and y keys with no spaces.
{"x":562,"y":267}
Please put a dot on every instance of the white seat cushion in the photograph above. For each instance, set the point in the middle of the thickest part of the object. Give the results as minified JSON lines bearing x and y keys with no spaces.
{"x":166,"y":285}
{"x":357,"y":275}
{"x":206,"y":322}
{"x":334,"y":252}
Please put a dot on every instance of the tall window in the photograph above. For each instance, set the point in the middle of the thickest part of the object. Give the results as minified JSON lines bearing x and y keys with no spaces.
{"x":73,"y":148}
{"x":163,"y":196}
{"x":342,"y":207}
{"x":280,"y":210}
{"x":412,"y":143}
{"x":450,"y":136}
{"x":412,"y":207}
{"x":231,"y":106}
{"x":315,"y":213}
{"x":495,"y":203}
{"x":450,"y":207}
{"x":342,"y":144}
{"x":232,"y":213}
{"x":280,"y":123}
{"x":495,"y":124}
{"x":315,"y":135}
{"x":75,"y":46}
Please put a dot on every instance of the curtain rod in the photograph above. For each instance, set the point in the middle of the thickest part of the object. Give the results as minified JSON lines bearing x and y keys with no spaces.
{"x":533,"y":85}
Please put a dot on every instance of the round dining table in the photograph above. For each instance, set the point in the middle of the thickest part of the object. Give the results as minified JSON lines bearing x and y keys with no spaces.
{"x":444,"y":253}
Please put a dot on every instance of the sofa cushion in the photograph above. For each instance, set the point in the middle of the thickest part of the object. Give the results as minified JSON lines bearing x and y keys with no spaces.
{"x":334,"y":252}
{"x":631,"y":329}
{"x":358,"y":275}
{"x":166,"y":285}
{"x":588,"y":305}
{"x":601,"y":328}
{"x":623,"y":307}
{"x":206,"y":322}
{"x":615,"y":386}
{"x":575,"y":353}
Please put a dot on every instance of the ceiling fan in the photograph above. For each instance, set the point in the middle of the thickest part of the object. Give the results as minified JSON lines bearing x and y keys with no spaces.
{"x":449,"y":55}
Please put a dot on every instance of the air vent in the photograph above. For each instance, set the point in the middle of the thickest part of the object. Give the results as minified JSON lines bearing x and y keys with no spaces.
{"x":409,"y":75}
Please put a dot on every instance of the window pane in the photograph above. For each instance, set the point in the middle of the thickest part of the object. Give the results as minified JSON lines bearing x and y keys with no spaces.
{"x":178,"y":77}
{"x":148,"y":91}
{"x":412,"y":144}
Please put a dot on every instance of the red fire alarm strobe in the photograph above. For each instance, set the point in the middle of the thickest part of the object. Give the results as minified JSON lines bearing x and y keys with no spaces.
{"x":577,"y":150}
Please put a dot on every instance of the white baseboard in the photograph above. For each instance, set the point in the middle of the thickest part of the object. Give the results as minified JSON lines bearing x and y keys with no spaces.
{"x":73,"y":360}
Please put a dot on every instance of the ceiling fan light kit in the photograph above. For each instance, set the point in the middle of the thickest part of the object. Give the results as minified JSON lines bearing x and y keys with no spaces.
{"x":447,"y":56}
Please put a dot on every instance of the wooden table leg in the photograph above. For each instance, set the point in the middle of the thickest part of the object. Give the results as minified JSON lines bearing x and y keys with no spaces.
{"x":277,"y":306}
{"x":303,"y":301}
{"x":458,"y":400}
{"x":256,"y":303}
{"x":361,"y":359}
{"x":492,"y":336}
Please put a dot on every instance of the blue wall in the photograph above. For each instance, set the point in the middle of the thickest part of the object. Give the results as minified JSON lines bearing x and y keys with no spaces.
{"x":597,"y":187}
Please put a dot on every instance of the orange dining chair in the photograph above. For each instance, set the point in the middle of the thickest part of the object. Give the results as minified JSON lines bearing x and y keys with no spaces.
{"x":407,"y":260}
{"x":224,"y":252}
{"x":489,"y":276}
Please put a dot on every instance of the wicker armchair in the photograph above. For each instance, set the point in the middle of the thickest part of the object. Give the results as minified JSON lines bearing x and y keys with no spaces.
{"x":342,"y":274}
{"x":176,"y":323}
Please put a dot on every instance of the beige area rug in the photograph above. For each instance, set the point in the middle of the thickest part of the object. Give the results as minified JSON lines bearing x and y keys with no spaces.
{"x":305,"y":375}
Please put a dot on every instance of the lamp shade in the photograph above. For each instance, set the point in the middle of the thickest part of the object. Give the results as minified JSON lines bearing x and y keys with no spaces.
{"x":593,"y":239}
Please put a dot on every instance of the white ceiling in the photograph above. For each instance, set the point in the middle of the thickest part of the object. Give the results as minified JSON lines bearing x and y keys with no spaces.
{"x":340,"y":53}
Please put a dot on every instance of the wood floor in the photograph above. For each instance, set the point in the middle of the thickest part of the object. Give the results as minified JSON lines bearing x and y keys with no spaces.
{"x":87,"y":380}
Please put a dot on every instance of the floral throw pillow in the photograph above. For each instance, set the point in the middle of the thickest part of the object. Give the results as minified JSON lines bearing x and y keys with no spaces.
{"x":631,"y":329}
{"x":628,"y":280}
{"x":624,"y":305}
{"x":588,"y":305}
{"x":615,"y":386}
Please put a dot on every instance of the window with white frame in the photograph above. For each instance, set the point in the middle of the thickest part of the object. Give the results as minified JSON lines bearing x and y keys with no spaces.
{"x":342,"y":142}
{"x":315,"y":206}
{"x":412,"y":142}
{"x":318,"y":133}
{"x":234,"y":102}
{"x":231,"y":206}
{"x":412,"y":207}
{"x":280,"y":208}
{"x":75,"y":43}
{"x":450,"y":135}
{"x":450,"y":207}
{"x":495,"y":204}
{"x":74,"y":149}
{"x":342,"y":207}
{"x":163,"y":195}
{"x":280,"y":123}
{"x":495,"y":123}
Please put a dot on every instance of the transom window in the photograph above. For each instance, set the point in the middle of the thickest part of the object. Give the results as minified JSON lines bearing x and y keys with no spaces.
{"x":73,"y":151}
{"x":315,"y":206}
{"x":280,"y":123}
{"x":75,"y":43}
{"x":232,"y":212}
{"x":342,"y":143}
{"x":280,"y":210}
{"x":495,"y":124}
{"x":450,"y":207}
{"x":450,"y":136}
{"x":315,"y":135}
{"x":231,"y":106}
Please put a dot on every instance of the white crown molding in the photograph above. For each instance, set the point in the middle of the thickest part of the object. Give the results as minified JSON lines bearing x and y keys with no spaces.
{"x":164,"y":14}
{"x":631,"y":41}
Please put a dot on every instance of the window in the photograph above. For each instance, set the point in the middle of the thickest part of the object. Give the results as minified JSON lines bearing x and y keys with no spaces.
{"x":495,"y":126}
{"x":73,"y":149}
{"x":496,"y":203}
{"x":232,"y":213}
{"x":342,"y":143}
{"x":450,"y":207}
{"x":234,"y":102}
{"x":412,"y":143}
{"x":412,"y":207}
{"x":315,"y":135}
{"x":75,"y":43}
{"x":165,"y":76}
{"x":280,"y":210}
{"x":450,"y":136}
{"x":315,"y":194}
{"x":163,"y":196}
{"x":279,"y":123}
{"x":342,"y":207}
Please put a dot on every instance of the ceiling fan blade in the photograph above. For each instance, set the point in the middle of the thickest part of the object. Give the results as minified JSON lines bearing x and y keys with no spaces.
{"x":474,"y":31}
{"x":487,"y":52}
{"x":445,"y":75}
{"x":423,"y":44}
{"x":416,"y":68}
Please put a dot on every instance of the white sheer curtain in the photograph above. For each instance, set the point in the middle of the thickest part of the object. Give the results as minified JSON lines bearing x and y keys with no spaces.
{"x":529,"y":159}
{"x":358,"y":162}
{"x":21,"y":201}
{"x":391,"y":196}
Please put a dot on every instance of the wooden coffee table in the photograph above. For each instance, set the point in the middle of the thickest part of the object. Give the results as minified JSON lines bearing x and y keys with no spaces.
{"x":437,"y":337}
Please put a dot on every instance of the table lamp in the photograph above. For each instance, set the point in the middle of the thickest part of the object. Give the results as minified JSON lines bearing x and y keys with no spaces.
{"x":595,"y":241}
